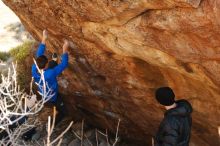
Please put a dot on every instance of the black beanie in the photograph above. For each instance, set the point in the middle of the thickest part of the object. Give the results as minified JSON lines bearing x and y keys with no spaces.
{"x":165,"y":96}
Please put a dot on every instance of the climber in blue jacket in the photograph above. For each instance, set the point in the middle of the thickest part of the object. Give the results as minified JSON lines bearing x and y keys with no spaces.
{"x":50,"y":74}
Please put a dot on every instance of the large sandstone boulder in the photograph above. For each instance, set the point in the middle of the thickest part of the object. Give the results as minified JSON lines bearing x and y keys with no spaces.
{"x":125,"y":49}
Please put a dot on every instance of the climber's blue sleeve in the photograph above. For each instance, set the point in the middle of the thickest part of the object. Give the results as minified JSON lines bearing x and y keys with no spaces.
{"x":35,"y":73}
{"x":60,"y":67}
{"x":41,"y":50}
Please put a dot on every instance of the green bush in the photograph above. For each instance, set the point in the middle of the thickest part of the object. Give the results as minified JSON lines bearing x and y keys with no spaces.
{"x":4,"y":56}
{"x":22,"y":54}
{"x":22,"y":51}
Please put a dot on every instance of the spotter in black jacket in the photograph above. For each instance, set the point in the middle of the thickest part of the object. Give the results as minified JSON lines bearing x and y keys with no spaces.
{"x":175,"y":128}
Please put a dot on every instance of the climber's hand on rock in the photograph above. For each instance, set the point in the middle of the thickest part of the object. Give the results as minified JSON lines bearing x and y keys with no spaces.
{"x":65,"y":46}
{"x":45,"y":36}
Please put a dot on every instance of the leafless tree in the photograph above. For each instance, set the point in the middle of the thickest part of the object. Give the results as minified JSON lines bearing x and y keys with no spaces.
{"x":82,"y":137}
{"x":50,"y":129}
{"x":16,"y":105}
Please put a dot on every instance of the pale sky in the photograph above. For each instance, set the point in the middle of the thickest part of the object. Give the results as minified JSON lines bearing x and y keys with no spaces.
{"x":7,"y":17}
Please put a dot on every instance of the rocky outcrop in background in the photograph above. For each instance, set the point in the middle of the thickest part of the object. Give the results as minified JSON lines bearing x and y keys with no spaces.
{"x":124,"y":50}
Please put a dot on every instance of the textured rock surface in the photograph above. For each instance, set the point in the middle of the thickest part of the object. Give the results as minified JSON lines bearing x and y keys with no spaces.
{"x":125,"y":49}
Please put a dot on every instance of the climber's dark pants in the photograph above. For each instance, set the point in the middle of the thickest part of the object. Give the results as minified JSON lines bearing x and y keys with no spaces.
{"x":60,"y":108}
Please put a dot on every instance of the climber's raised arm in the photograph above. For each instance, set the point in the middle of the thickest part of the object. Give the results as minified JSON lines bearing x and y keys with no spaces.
{"x":64,"y":63}
{"x":42,"y":46}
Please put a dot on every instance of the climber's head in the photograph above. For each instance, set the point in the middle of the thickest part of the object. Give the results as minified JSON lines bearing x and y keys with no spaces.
{"x":42,"y":62}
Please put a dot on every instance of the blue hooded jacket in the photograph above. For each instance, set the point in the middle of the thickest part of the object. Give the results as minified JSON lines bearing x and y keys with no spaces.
{"x":50,"y":75}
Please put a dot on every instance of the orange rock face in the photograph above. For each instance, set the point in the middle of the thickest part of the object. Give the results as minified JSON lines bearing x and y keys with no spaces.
{"x":125,"y":49}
